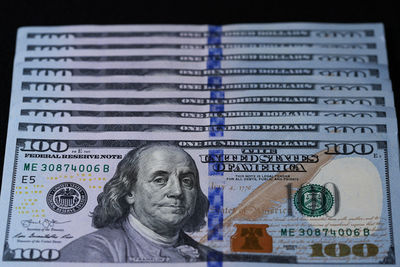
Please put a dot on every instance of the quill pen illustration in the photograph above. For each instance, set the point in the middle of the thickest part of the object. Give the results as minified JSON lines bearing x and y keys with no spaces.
{"x":273,"y":192}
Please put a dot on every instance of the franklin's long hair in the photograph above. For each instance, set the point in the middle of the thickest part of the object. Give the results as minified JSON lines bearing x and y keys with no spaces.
{"x":112,"y":207}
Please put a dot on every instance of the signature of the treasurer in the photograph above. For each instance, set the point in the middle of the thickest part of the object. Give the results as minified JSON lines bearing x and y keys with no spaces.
{"x":46,"y":223}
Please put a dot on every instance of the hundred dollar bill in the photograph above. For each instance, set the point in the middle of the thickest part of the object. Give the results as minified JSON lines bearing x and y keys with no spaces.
{"x":193,"y":99}
{"x":278,"y":199}
{"x":328,"y":73}
{"x":291,"y":31}
{"x":228,"y":69}
{"x":56,"y":82}
{"x":200,"y":50}
{"x":254,"y":54}
{"x":38,"y":111}
{"x":163,"y":43}
{"x":327,"y":58}
{"x":248,"y":126}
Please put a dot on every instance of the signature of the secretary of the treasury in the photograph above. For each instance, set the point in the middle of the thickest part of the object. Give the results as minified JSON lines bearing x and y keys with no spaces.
{"x":45,"y":223}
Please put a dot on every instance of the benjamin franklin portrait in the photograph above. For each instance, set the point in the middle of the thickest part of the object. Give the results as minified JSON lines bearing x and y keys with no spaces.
{"x":144,"y":211}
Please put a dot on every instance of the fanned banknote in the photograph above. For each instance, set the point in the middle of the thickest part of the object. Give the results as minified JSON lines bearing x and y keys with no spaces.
{"x":323,"y":32}
{"x":251,"y":127}
{"x":160,"y":43}
{"x":300,"y":97}
{"x":47,"y":80}
{"x":205,"y":55}
{"x":200,"y":69}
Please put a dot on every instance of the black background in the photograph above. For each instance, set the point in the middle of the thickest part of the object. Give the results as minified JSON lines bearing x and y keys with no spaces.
{"x":14,"y":14}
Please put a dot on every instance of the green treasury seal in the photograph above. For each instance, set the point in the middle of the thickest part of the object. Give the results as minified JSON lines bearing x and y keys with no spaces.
{"x":313,"y":200}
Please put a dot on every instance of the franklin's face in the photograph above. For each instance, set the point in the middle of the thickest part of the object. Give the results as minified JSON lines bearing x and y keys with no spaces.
{"x":166,"y":190}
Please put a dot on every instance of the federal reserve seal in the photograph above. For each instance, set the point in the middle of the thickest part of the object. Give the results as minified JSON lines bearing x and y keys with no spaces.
{"x":66,"y":198}
{"x":313,"y":200}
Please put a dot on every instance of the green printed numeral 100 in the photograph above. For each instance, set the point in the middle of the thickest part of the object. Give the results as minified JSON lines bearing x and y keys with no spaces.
{"x":344,"y":250}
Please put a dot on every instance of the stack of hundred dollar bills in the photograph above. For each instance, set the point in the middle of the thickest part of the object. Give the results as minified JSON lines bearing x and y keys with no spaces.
{"x":177,"y":145}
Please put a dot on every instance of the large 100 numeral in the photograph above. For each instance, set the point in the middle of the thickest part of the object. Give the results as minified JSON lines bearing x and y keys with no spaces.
{"x":348,"y":149}
{"x":342,"y":250}
{"x":45,"y":145}
{"x":34,"y":254}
